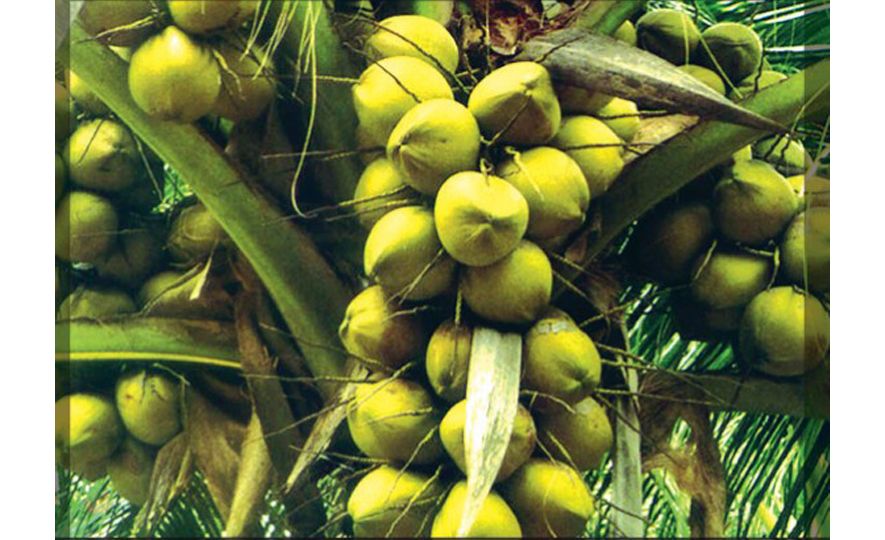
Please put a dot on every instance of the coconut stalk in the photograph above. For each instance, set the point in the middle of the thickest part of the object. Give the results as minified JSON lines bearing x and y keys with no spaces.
{"x":309,"y":296}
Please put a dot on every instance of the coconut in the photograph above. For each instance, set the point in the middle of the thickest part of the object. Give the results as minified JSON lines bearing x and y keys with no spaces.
{"x":389,"y":502}
{"x":578,"y":100}
{"x":87,"y":431}
{"x":101,"y":155}
{"x":805,"y":250}
{"x":753,"y":203}
{"x":667,"y":243}
{"x":149,"y":404}
{"x":626,"y":33}
{"x":480,"y":218}
{"x":594,"y":147}
{"x":744,"y":154}
{"x":61,"y":177}
{"x":554,"y":188}
{"x":247,"y":87}
{"x":62,"y":113}
{"x":622,"y":117}
{"x":670,"y":34}
{"x":788,"y":156}
{"x":516,"y":104}
{"x":706,"y":76}
{"x":433,"y":141}
{"x":550,"y":498}
{"x":394,"y":419}
{"x":136,"y":255}
{"x":580,"y":436}
{"x":374,"y":330}
{"x":203,"y":17}
{"x":184,"y":295}
{"x":415,"y":36}
{"x":380,"y":186}
{"x":130,"y":471}
{"x":194,"y":235}
{"x":85,"y":227}
{"x":784,"y":332}
{"x":172,"y":77}
{"x":95,"y":303}
{"x":494,"y":519}
{"x":730,"y":278}
{"x":813,"y":191}
{"x":559,"y":359}
{"x":403,"y":255}
{"x":755,"y":82}
{"x":389,"y":88}
{"x":447,"y":360}
{"x":84,"y":96}
{"x":731,"y":49}
{"x":519,"y":449}
{"x":117,"y":23}
{"x":514,"y":290}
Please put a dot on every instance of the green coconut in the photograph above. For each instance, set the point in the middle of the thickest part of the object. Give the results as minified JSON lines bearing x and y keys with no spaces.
{"x":194,"y":235}
{"x":415,"y":36}
{"x":403,"y":255}
{"x":184,"y":295}
{"x":755,"y":82}
{"x":784,"y":332}
{"x":172,"y":77}
{"x":87,"y":431}
{"x":117,"y":23}
{"x":514,"y":290}
{"x":63,"y":124}
{"x":247,"y":87}
{"x":95,"y":303}
{"x":379,"y":188}
{"x":667,"y":243}
{"x":626,"y":33}
{"x":516,"y":104}
{"x":433,"y":141}
{"x":813,"y":191}
{"x":805,"y":250}
{"x":204,"y":16}
{"x":788,"y":156}
{"x":479,"y":218}
{"x":731,"y":49}
{"x":580,"y":437}
{"x":519,"y":449}
{"x":744,"y":154}
{"x":102,"y":155}
{"x":85,"y":227}
{"x":706,"y":76}
{"x":578,"y":100}
{"x":389,"y":88}
{"x":554,"y":188}
{"x":550,"y":498}
{"x":374,"y":329}
{"x":130,"y":471}
{"x":494,"y":519}
{"x":61,"y":177}
{"x":149,"y":404}
{"x":394,"y":419}
{"x":730,"y":278}
{"x":559,"y":360}
{"x":447,"y":360}
{"x":84,"y":96}
{"x":670,"y":34}
{"x":389,"y":502}
{"x":753,"y":203}
{"x":622,"y":117}
{"x":594,"y":147}
{"x":136,"y":255}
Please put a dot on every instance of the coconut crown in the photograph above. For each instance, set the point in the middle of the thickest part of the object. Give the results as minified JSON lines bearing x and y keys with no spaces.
{"x":495,"y":519}
{"x":416,"y":36}
{"x":447,"y":360}
{"x":378,"y":503}
{"x":730,"y":49}
{"x":670,"y":34}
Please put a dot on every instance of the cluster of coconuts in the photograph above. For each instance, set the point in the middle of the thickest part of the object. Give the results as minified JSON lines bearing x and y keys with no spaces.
{"x":464,"y":200}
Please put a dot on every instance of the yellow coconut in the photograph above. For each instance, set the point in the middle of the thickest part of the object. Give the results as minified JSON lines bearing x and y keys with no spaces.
{"x":403,"y":255}
{"x":787,"y":155}
{"x":194,"y":235}
{"x":102,"y":155}
{"x":626,"y":33}
{"x":594,"y":147}
{"x":130,"y":471}
{"x":379,"y":187}
{"x":480,"y":218}
{"x":149,"y":404}
{"x":117,"y":23}
{"x":554,"y":188}
{"x":495,"y":519}
{"x":579,"y":437}
{"x":622,"y":117}
{"x":87,"y":431}
{"x":706,"y":76}
{"x":206,"y":16}
{"x":247,"y":88}
{"x":516,"y":104}
{"x":95,"y":303}
{"x":389,"y":88}
{"x":667,"y":243}
{"x":394,"y":419}
{"x":514,"y":290}
{"x":805,"y":250}
{"x":433,"y":141}
{"x":374,"y":329}
{"x":85,"y":227}
{"x":730,"y":278}
{"x":813,"y":191}
{"x":519,"y":449}
{"x":447,"y":360}
{"x":389,"y":502}
{"x":416,"y":36}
